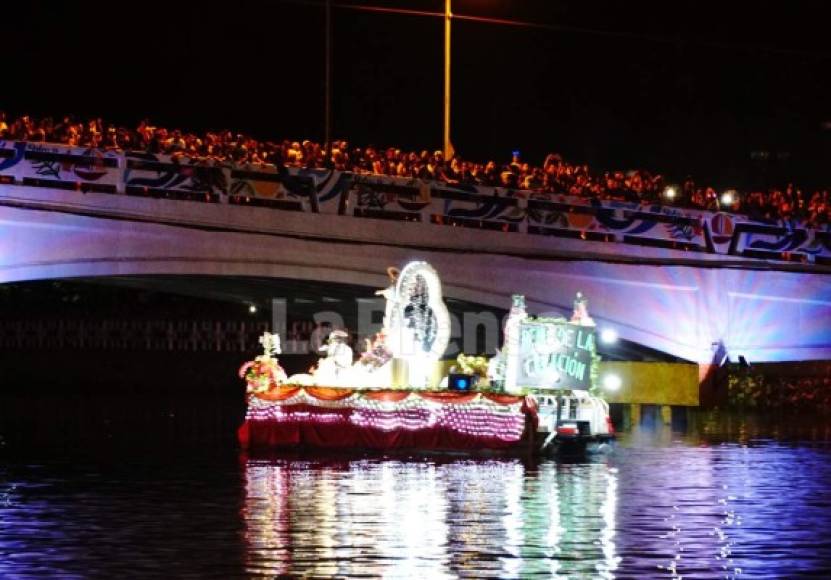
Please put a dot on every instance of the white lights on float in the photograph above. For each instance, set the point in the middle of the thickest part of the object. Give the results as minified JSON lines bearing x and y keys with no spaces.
{"x":415,"y":280}
{"x":414,"y":337}
{"x":612,"y":382}
{"x":670,"y":193}
{"x":479,"y":417}
{"x":516,"y":316}
{"x":419,"y":323}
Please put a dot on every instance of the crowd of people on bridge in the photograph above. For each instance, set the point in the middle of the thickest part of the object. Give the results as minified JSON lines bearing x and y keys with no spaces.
{"x":554,"y":176}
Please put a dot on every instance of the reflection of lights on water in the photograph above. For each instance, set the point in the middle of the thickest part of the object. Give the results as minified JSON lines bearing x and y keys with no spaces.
{"x":414,"y":519}
{"x":326,"y":523}
{"x":267,"y":526}
{"x":513,"y":522}
{"x":608,"y":510}
{"x":407,"y":505}
{"x":497,"y":518}
{"x":555,"y":529}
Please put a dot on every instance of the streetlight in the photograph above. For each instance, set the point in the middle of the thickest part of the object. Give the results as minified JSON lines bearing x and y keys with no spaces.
{"x":327,"y":76}
{"x":727,"y":198}
{"x":448,"y":15}
{"x":608,"y":336}
{"x":611,"y":382}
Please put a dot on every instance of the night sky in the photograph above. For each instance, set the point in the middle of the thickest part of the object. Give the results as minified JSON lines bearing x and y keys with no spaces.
{"x":674,"y":87}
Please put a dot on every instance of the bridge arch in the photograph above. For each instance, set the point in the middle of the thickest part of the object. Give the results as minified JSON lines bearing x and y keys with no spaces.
{"x":679,"y":309}
{"x":662,"y":277}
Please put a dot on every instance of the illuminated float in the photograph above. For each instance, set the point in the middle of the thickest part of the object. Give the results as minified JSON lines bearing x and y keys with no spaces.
{"x":533,"y":395}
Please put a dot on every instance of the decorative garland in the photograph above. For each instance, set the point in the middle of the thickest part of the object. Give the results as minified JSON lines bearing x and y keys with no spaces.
{"x":338,"y":398}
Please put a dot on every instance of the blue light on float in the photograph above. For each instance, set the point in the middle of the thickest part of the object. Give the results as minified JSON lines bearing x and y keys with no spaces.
{"x":459,"y":382}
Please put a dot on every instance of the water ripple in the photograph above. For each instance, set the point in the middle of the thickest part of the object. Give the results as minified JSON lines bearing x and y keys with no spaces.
{"x":759,"y":509}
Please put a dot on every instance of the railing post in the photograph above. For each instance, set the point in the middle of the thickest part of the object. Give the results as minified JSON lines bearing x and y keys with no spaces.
{"x":121,"y":169}
{"x":226,"y":193}
{"x":523,"y":225}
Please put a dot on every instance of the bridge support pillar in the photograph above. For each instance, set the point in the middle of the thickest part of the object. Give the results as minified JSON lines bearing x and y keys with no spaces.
{"x":634,"y":415}
{"x":666,"y":414}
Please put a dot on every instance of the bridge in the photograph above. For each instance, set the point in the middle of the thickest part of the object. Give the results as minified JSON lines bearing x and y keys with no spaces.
{"x":682,"y":281}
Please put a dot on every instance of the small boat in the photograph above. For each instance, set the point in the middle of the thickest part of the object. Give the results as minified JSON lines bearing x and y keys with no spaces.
{"x":573,"y":421}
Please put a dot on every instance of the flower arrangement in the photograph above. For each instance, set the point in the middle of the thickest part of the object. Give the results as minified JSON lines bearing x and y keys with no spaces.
{"x":472,"y":365}
{"x":264,"y":372}
{"x":377,"y":353}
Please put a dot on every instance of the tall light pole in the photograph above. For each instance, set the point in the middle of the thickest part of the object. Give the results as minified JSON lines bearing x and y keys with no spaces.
{"x":447,"y":16}
{"x":327,"y":121}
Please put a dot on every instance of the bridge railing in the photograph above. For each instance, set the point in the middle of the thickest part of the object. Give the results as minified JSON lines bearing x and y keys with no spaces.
{"x":392,"y":198}
{"x":117,"y":334}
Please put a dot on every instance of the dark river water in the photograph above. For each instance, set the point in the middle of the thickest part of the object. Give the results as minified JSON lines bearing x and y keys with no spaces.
{"x":660,"y":505}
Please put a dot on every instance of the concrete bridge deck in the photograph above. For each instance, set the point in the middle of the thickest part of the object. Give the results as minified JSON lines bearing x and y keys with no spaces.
{"x":671,"y":279}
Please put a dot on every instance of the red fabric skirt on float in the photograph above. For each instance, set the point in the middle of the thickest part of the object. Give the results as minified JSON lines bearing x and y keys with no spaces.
{"x":344,"y":418}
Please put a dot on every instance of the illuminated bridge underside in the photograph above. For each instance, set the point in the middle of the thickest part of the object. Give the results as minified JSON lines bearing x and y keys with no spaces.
{"x":681,"y":309}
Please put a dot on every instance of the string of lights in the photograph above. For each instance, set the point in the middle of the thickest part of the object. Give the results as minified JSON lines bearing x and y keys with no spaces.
{"x":479,"y":417}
